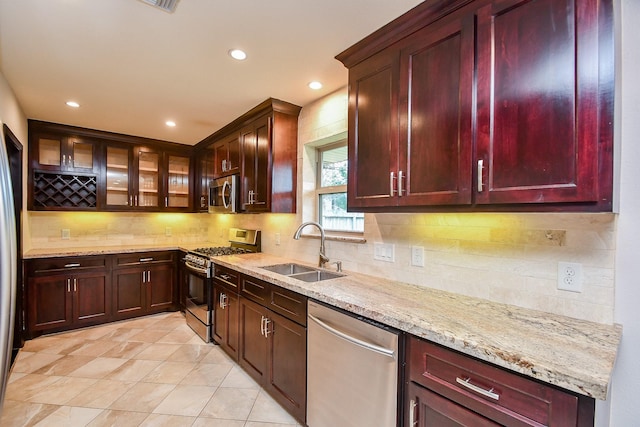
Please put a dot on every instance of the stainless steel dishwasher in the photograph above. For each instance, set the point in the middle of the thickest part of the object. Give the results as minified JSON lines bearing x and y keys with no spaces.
{"x":352,"y":370}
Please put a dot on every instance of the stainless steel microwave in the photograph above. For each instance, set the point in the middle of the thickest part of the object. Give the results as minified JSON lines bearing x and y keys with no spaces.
{"x":224,"y":195}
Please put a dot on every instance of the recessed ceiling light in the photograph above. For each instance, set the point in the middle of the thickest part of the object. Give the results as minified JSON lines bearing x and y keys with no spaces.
{"x":73,"y":104}
{"x":170,"y":123}
{"x":238,"y":54}
{"x":315,"y":85}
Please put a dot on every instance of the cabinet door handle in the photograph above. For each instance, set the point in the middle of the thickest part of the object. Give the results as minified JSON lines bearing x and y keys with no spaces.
{"x":144,"y":277}
{"x":267,"y":321}
{"x":146,"y":259}
{"x":262,"y":326}
{"x":68,"y":285}
{"x":166,"y":202}
{"x":72,"y":265}
{"x":480,"y":168}
{"x":75,"y":285}
{"x":148,"y":275}
{"x":392,"y":187}
{"x":135,"y":200}
{"x":412,"y":413}
{"x":400,"y":186}
{"x":224,"y":166}
{"x":130,"y":200}
{"x":487,"y":393}
{"x":64,"y":160}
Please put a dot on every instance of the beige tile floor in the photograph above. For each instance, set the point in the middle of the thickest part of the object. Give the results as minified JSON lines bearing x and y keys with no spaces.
{"x":151,"y":371}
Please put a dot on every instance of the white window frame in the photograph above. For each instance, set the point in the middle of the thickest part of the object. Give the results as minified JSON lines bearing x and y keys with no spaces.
{"x":334,"y":189}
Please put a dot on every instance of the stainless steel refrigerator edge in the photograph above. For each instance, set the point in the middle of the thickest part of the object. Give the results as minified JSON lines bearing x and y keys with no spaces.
{"x":352,"y":371}
{"x":8,"y":274}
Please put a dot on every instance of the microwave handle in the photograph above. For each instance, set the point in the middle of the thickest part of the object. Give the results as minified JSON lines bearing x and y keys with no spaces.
{"x":224,"y":198}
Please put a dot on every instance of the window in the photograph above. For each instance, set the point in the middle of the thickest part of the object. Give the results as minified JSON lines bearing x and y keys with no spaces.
{"x":331,"y":189}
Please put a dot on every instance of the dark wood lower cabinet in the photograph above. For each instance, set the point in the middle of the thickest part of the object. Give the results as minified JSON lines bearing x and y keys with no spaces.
{"x":428,"y":409}
{"x":273,"y":351}
{"x":68,"y":298}
{"x":143,"y":290}
{"x":447,"y":388}
{"x":253,"y":343}
{"x":226,"y":321}
{"x":70,"y":292}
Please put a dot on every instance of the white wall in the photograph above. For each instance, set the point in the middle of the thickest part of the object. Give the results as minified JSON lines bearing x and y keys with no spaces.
{"x":625,"y":393}
{"x":12,"y":115}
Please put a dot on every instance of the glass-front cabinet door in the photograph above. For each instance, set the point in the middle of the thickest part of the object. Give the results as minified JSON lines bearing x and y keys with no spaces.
{"x":118,"y":177}
{"x":58,"y":153}
{"x":177,"y":187}
{"x":148,"y":179}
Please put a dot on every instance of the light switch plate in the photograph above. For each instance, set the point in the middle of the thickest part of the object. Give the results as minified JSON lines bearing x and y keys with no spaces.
{"x":66,"y":234}
{"x":167,"y":231}
{"x":277,"y":239}
{"x":384,"y":252}
{"x":417,"y":256}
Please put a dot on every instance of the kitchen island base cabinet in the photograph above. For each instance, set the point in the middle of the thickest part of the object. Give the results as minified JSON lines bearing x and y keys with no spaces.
{"x":464,"y":391}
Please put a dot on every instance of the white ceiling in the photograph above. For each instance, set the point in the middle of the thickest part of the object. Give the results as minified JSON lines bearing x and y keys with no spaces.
{"x":132,"y":66}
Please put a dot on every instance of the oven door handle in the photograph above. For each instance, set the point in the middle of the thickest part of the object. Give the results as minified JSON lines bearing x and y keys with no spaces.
{"x":199,"y":270}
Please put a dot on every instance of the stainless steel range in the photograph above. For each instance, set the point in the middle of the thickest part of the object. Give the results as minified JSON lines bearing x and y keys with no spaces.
{"x":199,"y":286}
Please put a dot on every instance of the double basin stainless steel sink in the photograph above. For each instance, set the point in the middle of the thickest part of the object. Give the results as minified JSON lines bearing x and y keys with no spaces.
{"x":302,"y":272}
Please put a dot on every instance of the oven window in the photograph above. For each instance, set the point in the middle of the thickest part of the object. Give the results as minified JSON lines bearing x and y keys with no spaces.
{"x":196,"y":293}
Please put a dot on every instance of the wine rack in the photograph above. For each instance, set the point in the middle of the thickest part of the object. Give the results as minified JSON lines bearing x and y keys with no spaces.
{"x":58,"y":190}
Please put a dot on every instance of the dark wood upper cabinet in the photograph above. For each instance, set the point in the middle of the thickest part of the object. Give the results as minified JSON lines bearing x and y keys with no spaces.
{"x":227,"y":156}
{"x":74,"y":168}
{"x":262,"y":147}
{"x":484,"y":105}
{"x":537,"y":104}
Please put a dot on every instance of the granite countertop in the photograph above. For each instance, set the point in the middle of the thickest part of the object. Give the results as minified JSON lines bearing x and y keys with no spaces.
{"x":574,"y":354}
{"x":107,"y":250}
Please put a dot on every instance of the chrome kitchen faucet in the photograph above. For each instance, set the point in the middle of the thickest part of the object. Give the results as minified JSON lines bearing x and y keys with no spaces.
{"x":323,"y":258}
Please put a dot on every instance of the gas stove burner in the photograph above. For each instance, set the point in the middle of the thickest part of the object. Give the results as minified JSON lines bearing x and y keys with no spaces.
{"x":221,"y":250}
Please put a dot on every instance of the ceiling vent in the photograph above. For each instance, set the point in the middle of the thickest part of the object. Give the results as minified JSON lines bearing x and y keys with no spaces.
{"x":166,"y":5}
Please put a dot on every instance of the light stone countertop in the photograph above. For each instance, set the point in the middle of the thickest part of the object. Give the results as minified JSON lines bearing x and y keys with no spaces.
{"x":574,"y":354}
{"x":100,"y":249}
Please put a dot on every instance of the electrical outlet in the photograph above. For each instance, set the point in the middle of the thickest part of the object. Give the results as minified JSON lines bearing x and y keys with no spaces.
{"x":570,"y":276}
{"x":167,"y":231}
{"x":277,"y":239}
{"x":417,"y":256}
{"x":384,"y":252}
{"x":66,"y":234}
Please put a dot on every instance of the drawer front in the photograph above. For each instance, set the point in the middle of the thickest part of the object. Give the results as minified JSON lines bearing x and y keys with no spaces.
{"x":226,"y":278}
{"x":138,"y":258}
{"x":255,"y":289}
{"x":496,"y":393}
{"x":49,"y":265}
{"x":289,"y":304}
